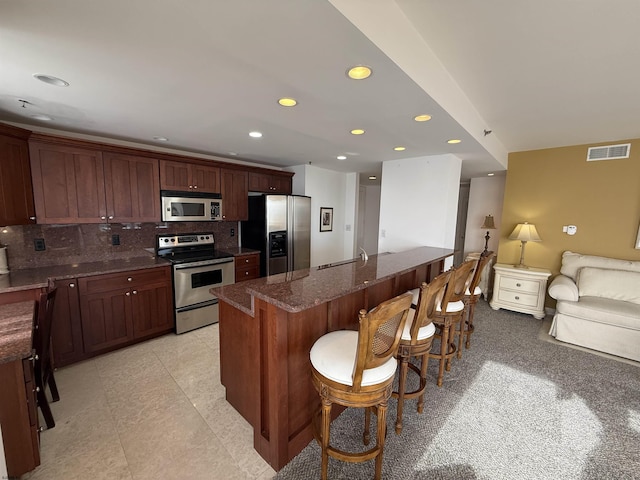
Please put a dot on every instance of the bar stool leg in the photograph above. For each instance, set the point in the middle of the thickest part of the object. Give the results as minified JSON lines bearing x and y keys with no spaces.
{"x":424,"y":366}
{"x":404,"y":362}
{"x":444,"y":348}
{"x":382,"y":423}
{"x":326,"y":422}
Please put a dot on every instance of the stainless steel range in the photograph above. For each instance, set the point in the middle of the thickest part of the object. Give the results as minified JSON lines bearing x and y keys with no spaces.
{"x":197,"y":267}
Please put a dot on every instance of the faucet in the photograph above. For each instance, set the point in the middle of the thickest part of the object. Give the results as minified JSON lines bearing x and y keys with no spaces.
{"x":363,"y":255}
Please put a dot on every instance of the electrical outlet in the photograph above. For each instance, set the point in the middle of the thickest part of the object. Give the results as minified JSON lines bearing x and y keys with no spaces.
{"x":39,"y":245}
{"x":115,"y":239}
{"x":233,"y":232}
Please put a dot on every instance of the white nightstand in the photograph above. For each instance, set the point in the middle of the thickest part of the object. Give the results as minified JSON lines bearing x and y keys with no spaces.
{"x":520,"y":289}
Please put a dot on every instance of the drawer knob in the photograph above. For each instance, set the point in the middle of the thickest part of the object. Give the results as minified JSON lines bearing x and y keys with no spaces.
{"x":72,"y":285}
{"x":518,"y":284}
{"x":135,"y":292}
{"x":128,"y":294}
{"x":246,"y":273}
{"x":517,"y":298}
{"x":129,"y":279}
{"x":246,"y":260}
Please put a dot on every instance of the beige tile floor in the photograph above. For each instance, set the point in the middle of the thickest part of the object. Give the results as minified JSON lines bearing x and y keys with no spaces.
{"x":155,"y":410}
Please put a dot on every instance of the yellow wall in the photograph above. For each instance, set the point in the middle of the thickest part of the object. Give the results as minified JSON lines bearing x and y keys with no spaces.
{"x":555,"y":187}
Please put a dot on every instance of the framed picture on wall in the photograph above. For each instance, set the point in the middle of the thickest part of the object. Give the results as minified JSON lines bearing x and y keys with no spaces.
{"x":326,"y":219}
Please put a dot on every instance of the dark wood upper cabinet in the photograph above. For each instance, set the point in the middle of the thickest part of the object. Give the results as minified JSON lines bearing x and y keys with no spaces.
{"x":189,"y":177}
{"x":132,"y":188}
{"x":270,"y":183}
{"x":16,"y":194}
{"x":235,"y":193}
{"x":80,"y":185}
{"x":68,"y":184}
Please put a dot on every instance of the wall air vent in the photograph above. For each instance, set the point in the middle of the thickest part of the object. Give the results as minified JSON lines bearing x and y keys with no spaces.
{"x":610,"y":152}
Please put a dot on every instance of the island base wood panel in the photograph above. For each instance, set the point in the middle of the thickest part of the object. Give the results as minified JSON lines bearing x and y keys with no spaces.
{"x":265,"y":367}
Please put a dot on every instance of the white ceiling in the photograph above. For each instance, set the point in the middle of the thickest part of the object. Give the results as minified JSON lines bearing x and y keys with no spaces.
{"x":205,"y":73}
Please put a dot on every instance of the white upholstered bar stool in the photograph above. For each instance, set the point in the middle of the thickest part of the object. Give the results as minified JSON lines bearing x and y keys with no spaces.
{"x":356,"y":369}
{"x":472,"y":295}
{"x":450,"y":315}
{"x":416,"y":341}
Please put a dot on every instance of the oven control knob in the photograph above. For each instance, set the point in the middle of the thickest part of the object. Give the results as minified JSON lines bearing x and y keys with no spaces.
{"x":166,"y":240}
{"x":173,"y":239}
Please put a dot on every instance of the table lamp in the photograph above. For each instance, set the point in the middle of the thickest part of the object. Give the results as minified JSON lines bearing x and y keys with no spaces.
{"x":488,"y":225}
{"x":525,"y":232}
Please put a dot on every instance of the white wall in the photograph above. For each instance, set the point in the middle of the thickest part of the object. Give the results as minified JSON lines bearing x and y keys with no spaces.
{"x":419,"y":202}
{"x":485,"y":198}
{"x":351,"y":200}
{"x":370,"y":213}
{"x":328,"y":188}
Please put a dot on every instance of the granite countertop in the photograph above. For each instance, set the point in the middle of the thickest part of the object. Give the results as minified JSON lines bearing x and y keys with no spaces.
{"x":16,"y":326}
{"x":32,"y":278}
{"x":303,"y":289}
{"x":236,"y":252}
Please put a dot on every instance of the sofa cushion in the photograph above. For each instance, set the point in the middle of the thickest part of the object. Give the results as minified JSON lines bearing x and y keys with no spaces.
{"x":613,"y":284}
{"x":603,"y":310}
{"x":573,"y":262}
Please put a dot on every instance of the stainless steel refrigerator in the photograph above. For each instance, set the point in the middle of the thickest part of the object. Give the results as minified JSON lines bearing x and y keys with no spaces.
{"x":280,"y":227}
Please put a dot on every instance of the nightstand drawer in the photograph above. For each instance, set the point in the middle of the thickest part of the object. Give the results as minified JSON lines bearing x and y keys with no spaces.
{"x":517,"y":298}
{"x":527,"y":286}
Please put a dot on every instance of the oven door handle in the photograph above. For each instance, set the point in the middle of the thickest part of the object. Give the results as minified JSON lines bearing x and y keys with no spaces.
{"x":188,"y":266}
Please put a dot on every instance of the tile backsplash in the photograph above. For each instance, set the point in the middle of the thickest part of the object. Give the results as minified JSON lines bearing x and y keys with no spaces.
{"x":68,"y":244}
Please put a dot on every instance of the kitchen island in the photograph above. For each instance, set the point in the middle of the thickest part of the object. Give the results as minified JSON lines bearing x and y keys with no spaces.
{"x":268,"y":325}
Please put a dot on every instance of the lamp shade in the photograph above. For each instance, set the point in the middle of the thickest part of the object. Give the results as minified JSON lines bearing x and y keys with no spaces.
{"x":488,"y":223}
{"x":525,"y":232}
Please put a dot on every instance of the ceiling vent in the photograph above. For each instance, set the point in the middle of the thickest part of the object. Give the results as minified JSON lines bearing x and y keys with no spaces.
{"x":610,"y":152}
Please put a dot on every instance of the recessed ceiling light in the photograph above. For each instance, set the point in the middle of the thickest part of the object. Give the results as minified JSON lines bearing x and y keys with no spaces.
{"x":341,"y":157}
{"x":287,"y":102}
{"x":490,"y":174}
{"x":422,"y":118}
{"x":357,"y":131}
{"x":454,"y":140}
{"x":359,"y":72}
{"x":45,"y":118}
{"x":255,"y":134}
{"x":399,"y":149}
{"x":372,"y":177}
{"x":51,"y":80}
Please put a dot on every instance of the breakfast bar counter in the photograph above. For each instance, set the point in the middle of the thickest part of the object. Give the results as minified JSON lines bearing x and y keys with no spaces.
{"x":268,"y":325}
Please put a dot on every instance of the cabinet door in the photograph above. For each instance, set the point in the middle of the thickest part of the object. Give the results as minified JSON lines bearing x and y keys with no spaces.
{"x":259,"y":182}
{"x":205,"y":179}
{"x":281,"y":184}
{"x":175,"y":176}
{"x":235,"y":193}
{"x":152,"y":309}
{"x":132,"y":188}
{"x":66,"y":327}
{"x":68,"y":184}
{"x":16,"y":194}
{"x":106,"y":319}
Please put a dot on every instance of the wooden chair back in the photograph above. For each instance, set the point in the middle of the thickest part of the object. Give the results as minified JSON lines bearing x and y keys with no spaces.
{"x":458,"y":283}
{"x":379,"y":334}
{"x":430,"y":298}
{"x":42,"y":330}
{"x":485,"y":258}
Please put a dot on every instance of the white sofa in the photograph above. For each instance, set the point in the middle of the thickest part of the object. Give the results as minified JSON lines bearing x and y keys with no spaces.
{"x":598,"y":304}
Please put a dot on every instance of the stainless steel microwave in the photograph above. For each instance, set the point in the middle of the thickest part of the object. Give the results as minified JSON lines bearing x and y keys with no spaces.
{"x":190,"y":207}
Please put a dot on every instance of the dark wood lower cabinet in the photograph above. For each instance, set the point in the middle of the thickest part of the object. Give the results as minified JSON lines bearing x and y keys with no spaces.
{"x":66,"y":327}
{"x":120,"y":308}
{"x":19,"y":417}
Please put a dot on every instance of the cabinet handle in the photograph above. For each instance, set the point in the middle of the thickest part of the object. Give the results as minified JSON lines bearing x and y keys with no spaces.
{"x":103,"y":218}
{"x":195,"y":186}
{"x":190,"y":186}
{"x":246,"y":260}
{"x":110,"y":217}
{"x":518,"y":285}
{"x":517,"y":298}
{"x":33,"y":219}
{"x":246,"y":273}
{"x":135,"y":292}
{"x":37,"y":390}
{"x":41,"y":429}
{"x":128,"y":294}
{"x":72,"y":285}
{"x":129,"y":279}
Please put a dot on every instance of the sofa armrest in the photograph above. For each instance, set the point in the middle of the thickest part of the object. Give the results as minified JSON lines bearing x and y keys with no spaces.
{"x":563,"y":288}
